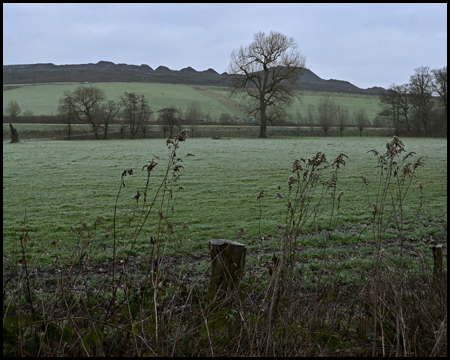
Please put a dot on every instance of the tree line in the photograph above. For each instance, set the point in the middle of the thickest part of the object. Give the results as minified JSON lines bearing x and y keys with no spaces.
{"x":264,"y":74}
{"x":418,"y":107}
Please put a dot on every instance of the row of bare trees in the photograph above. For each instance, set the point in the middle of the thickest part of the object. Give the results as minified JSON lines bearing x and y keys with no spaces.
{"x":420,"y":106}
{"x":329,"y":114}
{"x":88,"y":104}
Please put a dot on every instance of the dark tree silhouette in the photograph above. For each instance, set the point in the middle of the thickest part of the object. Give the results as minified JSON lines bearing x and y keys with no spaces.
{"x":266,"y":72}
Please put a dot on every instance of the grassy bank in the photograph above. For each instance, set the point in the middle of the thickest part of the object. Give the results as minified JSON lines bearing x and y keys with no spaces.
{"x":42,"y":99}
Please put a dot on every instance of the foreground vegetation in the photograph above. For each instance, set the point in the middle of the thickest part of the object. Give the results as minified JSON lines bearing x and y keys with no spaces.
{"x":339,"y":258}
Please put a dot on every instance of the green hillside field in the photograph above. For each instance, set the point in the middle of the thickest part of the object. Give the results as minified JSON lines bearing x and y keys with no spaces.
{"x":42,"y":99}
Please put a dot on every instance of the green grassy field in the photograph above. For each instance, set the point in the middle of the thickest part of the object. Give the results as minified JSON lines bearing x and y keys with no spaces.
{"x":42,"y":99}
{"x":58,"y":184}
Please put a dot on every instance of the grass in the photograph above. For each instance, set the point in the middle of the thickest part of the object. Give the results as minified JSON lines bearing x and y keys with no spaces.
{"x":313,"y":290}
{"x":42,"y":99}
{"x":58,"y":184}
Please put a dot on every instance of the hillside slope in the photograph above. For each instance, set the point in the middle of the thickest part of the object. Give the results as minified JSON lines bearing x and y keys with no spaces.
{"x":106,"y":71}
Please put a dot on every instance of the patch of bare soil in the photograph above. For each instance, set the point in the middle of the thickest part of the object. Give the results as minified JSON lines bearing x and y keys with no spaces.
{"x":190,"y":268}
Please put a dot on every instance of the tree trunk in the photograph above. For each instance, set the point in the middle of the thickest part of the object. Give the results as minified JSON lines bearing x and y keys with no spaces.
{"x":227,"y":267}
{"x":14,"y":134}
{"x":263,"y":126}
{"x":105,"y":133}
{"x":95,"y":129}
{"x":438,"y":278}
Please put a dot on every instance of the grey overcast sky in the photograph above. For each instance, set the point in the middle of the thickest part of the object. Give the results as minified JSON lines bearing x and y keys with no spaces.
{"x":366,"y":44}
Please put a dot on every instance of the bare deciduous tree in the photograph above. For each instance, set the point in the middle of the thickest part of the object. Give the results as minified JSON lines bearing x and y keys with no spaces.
{"x":342,"y":117}
{"x":420,"y":93}
{"x":225,"y":118}
{"x":169,"y":119}
{"x":12,"y":109}
{"x":85,"y":103}
{"x":136,"y":111}
{"x":67,"y":111}
{"x":326,"y":113}
{"x":395,"y":107}
{"x":194,"y":112}
{"x":108,"y":112}
{"x":439,"y":85}
{"x":361,"y":120}
{"x":266,"y":72}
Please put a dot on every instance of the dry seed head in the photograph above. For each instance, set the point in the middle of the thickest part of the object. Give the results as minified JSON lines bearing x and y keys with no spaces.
{"x":339,"y":160}
{"x":261,"y":194}
{"x":366,"y":182}
{"x":296,"y":166}
{"x":420,"y":186}
{"x":279,"y":196}
{"x":177,"y":168}
{"x":181,"y":188}
{"x":340,"y":195}
{"x":292,"y":180}
{"x":190,"y":155}
{"x":411,"y":153}
{"x":182,"y":136}
{"x":137,"y":195}
{"x":397,"y":142}
{"x":150,"y":166}
{"x":185,"y":226}
{"x":407,"y":169}
{"x":418,"y":163}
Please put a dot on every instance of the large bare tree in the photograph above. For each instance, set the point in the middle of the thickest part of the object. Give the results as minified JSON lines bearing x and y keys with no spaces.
{"x":84,"y":103}
{"x":136,"y":111}
{"x":395,"y":107}
{"x":266,"y":72}
{"x":420,"y":95}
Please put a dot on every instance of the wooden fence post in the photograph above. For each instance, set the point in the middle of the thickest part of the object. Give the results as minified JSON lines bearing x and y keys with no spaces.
{"x":227,"y":267}
{"x":438,"y":272}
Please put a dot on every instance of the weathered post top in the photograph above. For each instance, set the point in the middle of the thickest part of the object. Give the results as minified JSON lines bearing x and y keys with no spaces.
{"x":224,"y":241}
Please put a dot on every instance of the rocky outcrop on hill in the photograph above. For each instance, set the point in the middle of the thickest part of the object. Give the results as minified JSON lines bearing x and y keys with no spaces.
{"x":111,"y":72}
{"x":100,"y":66}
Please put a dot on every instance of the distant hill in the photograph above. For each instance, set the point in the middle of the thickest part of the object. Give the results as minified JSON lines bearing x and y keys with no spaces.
{"x":107,"y":71}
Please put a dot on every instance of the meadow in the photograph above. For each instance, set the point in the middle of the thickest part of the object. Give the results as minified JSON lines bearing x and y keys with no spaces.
{"x":58,"y":184}
{"x":105,"y":247}
{"x":42,"y":99}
